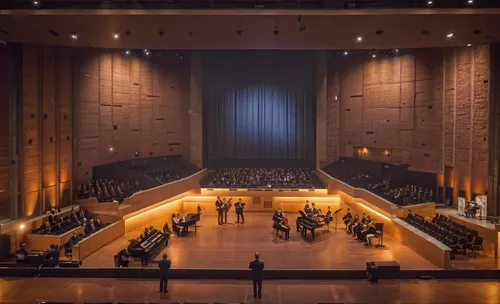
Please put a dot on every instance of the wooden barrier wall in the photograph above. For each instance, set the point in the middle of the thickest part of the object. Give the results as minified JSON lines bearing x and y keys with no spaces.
{"x":42,"y":242}
{"x":147,"y":198}
{"x":260,"y":201}
{"x":98,"y":240}
{"x":420,"y":242}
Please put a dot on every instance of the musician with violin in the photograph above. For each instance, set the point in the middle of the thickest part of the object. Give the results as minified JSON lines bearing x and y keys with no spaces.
{"x":281,"y":223}
{"x":239,"y":205}
{"x":226,"y":206}
{"x":347,"y":218}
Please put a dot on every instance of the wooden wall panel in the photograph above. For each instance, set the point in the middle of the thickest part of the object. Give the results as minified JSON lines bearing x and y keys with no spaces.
{"x":4,"y":134}
{"x":48,"y":131}
{"x":429,"y":109}
{"x":138,"y":107}
{"x":45,"y":162}
{"x":30,"y":165}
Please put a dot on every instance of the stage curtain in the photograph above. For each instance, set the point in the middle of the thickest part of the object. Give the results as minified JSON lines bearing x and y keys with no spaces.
{"x":259,"y":105}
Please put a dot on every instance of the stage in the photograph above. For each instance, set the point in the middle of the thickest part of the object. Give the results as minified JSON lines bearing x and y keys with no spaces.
{"x":233,"y":245}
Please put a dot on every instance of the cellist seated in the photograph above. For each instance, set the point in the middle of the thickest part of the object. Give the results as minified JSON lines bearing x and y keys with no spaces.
{"x":279,"y":225}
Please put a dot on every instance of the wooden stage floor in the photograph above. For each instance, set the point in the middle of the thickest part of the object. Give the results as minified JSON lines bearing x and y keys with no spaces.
{"x":80,"y":290}
{"x":233,"y":245}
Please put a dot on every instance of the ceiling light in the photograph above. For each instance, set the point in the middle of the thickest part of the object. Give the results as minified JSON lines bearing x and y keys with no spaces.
{"x":396,"y":50}
{"x":73,"y":36}
{"x":346,"y":53}
{"x":470,"y":1}
{"x":429,"y":2}
{"x":111,"y":149}
{"x":449,"y":35}
{"x":469,"y":44}
{"x":127,"y":52}
{"x":374,"y":55}
{"x":359,"y":39}
{"x":116,"y":36}
{"x":36,"y":3}
{"x":146,"y":51}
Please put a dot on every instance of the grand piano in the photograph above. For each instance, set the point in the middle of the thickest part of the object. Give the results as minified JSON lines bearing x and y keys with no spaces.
{"x":190,"y":220}
{"x":153,"y":243}
{"x":305,"y":222}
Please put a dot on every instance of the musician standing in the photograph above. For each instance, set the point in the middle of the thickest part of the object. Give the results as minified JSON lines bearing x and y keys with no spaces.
{"x":224,"y":209}
{"x":257,"y":268}
{"x":239,"y":211}
{"x":218,"y":206}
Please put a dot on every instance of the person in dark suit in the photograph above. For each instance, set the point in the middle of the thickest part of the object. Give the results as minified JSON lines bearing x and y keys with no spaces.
{"x":257,"y":268}
{"x":239,"y":211}
{"x":164,"y":265}
{"x":218,"y":206}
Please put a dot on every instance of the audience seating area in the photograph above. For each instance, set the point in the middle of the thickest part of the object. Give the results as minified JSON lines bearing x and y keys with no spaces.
{"x":291,"y":178}
{"x":167,"y":169}
{"x":106,"y":190}
{"x":460,"y":239}
{"x":403,"y":196}
{"x":118,"y":181}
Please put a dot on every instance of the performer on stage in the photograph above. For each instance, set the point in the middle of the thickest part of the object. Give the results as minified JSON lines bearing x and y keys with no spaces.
{"x":219,"y":205}
{"x":307,"y":209}
{"x":347,"y":218}
{"x":239,"y":211}
{"x":226,"y":207}
{"x":280,"y":225}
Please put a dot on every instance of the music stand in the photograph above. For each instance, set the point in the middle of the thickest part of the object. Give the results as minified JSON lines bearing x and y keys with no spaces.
{"x":336,"y":213}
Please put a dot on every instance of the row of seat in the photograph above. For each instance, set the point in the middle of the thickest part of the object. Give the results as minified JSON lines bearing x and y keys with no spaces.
{"x":461,"y":241}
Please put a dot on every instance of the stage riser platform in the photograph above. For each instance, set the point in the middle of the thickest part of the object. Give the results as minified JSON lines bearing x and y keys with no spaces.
{"x":237,"y":274}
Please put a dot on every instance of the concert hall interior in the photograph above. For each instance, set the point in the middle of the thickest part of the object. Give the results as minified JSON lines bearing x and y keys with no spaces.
{"x":340,"y":140}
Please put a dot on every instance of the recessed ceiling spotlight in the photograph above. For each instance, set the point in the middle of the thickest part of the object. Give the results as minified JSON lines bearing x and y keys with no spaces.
{"x":469,"y":44}
{"x":73,"y":36}
{"x":36,"y":3}
{"x":146,"y":51}
{"x":396,"y":50}
{"x":374,"y":55}
{"x":116,"y":36}
{"x":429,"y":2}
{"x":359,"y":39}
{"x":127,"y":52}
{"x":449,"y":35}
{"x":346,"y":53}
{"x":470,"y":1}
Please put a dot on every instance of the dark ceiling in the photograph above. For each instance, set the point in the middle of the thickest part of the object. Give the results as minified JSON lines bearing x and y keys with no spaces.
{"x":238,"y":4}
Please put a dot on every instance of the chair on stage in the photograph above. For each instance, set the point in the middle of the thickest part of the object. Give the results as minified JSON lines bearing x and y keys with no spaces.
{"x":477,"y":245}
{"x":379,"y":234}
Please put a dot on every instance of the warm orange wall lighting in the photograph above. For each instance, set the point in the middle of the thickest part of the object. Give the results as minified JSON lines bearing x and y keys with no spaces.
{"x":374,"y":211}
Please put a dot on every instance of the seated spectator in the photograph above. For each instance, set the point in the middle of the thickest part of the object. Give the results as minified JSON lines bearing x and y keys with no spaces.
{"x":106,"y":190}
{"x":21,"y":254}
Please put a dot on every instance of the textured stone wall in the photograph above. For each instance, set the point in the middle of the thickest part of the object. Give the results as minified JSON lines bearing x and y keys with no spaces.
{"x":127,"y":104}
{"x":428,"y":109}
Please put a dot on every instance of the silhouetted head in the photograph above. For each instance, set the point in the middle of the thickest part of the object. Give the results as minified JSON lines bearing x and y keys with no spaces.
{"x":164,"y":256}
{"x":256,"y":255}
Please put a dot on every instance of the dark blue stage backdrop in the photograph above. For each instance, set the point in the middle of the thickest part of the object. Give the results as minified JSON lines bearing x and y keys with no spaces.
{"x":258,"y":105}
